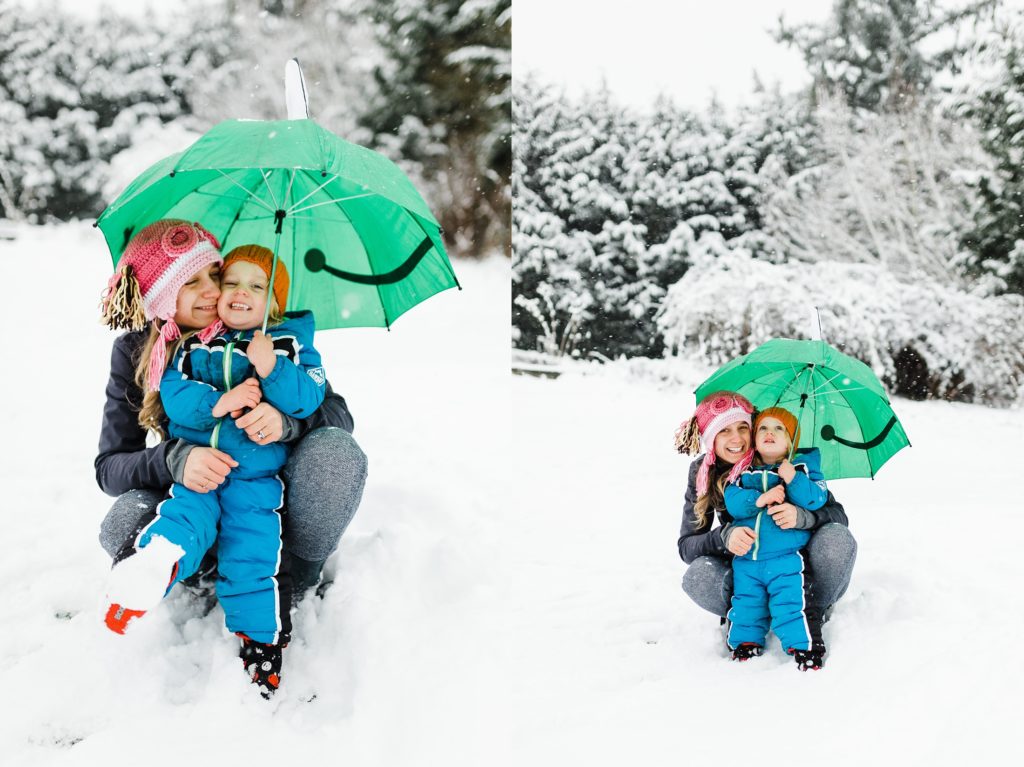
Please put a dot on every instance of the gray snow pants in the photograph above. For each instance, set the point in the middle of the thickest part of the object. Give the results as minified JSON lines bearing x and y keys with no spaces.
{"x":324,"y":479}
{"x":832,"y":550}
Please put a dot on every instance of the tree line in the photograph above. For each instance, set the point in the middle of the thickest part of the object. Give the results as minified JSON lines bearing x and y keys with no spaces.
{"x":638,"y":233}
{"x":427,"y":82}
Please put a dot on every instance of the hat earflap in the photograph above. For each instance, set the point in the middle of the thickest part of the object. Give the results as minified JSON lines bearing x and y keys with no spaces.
{"x":688,"y":437}
{"x":122,"y":302}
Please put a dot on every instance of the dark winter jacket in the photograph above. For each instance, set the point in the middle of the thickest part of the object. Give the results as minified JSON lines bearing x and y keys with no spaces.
{"x":807,"y":491}
{"x":123,"y":461}
{"x":707,"y":540}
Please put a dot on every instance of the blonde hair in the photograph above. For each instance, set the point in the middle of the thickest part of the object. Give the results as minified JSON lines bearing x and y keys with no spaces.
{"x":275,"y":316}
{"x":151,"y":413}
{"x":713,"y":498}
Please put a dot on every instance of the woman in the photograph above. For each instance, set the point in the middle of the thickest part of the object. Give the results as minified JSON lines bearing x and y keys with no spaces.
{"x":721,"y":428}
{"x":325,"y":473}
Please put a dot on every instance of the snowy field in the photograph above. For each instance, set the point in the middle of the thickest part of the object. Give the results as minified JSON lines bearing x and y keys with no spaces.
{"x":508,"y":593}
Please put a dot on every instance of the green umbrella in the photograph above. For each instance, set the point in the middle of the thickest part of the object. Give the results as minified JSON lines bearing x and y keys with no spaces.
{"x":841,"y":405}
{"x":360,"y":244}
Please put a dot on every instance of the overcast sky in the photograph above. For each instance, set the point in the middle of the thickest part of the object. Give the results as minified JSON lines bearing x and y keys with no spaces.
{"x":688,"y":49}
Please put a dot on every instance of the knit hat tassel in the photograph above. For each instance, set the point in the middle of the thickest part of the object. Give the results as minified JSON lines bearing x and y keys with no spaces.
{"x":122,"y":302}
{"x":211,"y":331}
{"x":158,"y":359}
{"x":702,"y":472}
{"x":741,"y":465}
{"x":688,"y":437}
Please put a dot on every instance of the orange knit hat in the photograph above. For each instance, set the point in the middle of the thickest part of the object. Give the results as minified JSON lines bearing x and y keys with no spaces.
{"x":264,"y":259}
{"x":788,"y":420}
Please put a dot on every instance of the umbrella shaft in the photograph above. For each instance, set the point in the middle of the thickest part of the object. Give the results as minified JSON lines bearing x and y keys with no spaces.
{"x":270,"y":287}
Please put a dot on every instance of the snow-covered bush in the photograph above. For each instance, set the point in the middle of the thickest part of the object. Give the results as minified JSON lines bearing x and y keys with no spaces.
{"x":922,"y":338}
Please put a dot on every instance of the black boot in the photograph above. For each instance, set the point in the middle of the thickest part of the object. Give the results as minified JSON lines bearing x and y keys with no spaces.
{"x":746,"y":651}
{"x":262,"y":663}
{"x":809,"y":660}
{"x":305,"y":575}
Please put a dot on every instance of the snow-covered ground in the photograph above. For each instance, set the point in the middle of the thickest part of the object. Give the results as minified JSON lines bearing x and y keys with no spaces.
{"x":509,"y":591}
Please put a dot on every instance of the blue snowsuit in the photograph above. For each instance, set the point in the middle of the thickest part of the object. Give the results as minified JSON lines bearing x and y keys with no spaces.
{"x":770,"y":580}
{"x":252,"y":585}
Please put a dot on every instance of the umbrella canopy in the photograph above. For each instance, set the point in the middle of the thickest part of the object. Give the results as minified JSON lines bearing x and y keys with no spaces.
{"x":360,"y":244}
{"x":840,"y":404}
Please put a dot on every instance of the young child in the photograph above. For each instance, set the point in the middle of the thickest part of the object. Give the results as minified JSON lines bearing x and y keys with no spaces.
{"x":769,"y":581}
{"x":214,"y":375}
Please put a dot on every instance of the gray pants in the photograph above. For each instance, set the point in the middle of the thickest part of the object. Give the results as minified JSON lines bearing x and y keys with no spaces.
{"x":832,"y":551}
{"x":324,"y":480}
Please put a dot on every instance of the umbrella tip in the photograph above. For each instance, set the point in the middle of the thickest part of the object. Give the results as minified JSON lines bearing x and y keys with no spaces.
{"x":295,"y":96}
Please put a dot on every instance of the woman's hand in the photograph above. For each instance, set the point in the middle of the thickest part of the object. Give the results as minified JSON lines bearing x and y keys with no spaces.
{"x":263,"y":424}
{"x":787,"y":471}
{"x":206,"y":468}
{"x":785,"y":515}
{"x":740,"y":540}
{"x":261,"y":353}
{"x":776,"y":495}
{"x":246,"y":394}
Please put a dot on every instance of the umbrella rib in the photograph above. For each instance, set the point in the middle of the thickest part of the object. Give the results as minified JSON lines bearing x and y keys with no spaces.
{"x":250,"y":194}
{"x":793,"y":380}
{"x":331,"y":202}
{"x":827,"y":381}
{"x":299,"y":202}
{"x":288,"y":191}
{"x":321,"y":218}
{"x":218,"y":196}
{"x":273,"y":196}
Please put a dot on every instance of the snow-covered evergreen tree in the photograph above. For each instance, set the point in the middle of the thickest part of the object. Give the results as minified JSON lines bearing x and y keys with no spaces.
{"x":994,"y":100}
{"x":634,"y":194}
{"x":883,"y":55}
{"x":72,"y":94}
{"x":443,"y":101}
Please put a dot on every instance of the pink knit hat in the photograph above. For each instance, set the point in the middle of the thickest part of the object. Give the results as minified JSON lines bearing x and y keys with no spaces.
{"x":155,"y":265}
{"x":715,"y":412}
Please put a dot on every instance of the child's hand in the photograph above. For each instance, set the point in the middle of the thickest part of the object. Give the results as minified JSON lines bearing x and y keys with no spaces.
{"x":787,"y":471}
{"x":246,"y":394}
{"x":740,"y":540}
{"x":776,"y":495}
{"x":261,"y":353}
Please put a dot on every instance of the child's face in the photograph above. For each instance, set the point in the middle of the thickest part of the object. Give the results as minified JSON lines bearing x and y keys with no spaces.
{"x":243,"y":296}
{"x":771,"y":440}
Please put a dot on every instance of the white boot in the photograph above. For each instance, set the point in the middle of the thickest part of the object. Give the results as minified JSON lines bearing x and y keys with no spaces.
{"x":138,"y":583}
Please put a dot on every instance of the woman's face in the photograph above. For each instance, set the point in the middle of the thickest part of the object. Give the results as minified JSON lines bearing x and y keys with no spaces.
{"x":733,"y":442}
{"x":197,"y":299}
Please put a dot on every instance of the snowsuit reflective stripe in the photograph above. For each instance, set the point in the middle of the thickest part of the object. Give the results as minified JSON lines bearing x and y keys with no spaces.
{"x":778,"y":589}
{"x":771,"y":580}
{"x":251,"y":584}
{"x":244,"y":514}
